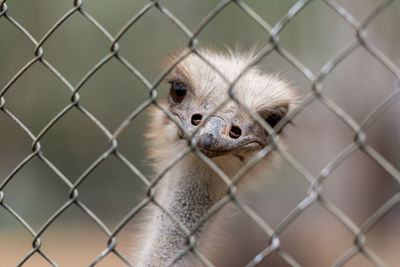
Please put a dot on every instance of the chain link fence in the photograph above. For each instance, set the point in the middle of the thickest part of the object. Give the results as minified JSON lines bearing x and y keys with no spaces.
{"x":315,"y":93}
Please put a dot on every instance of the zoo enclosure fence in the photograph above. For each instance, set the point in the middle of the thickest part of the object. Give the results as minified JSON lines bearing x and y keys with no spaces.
{"x":315,"y":94}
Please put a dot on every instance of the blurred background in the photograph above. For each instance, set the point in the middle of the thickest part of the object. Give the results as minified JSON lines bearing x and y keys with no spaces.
{"x":358,"y":187}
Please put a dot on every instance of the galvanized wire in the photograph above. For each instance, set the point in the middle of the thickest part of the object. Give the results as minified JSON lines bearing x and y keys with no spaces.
{"x":315,"y":94}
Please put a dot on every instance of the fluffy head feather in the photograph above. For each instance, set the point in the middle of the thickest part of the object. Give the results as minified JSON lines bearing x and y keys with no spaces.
{"x":254,"y":89}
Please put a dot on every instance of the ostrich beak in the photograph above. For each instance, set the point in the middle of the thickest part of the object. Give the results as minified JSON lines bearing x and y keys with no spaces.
{"x":218,"y":137}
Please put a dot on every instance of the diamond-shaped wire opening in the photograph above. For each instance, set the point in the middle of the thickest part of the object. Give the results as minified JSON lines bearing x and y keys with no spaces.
{"x":111,"y":196}
{"x":361,"y":176}
{"x":36,"y":97}
{"x":81,"y":144}
{"x":112,"y":97}
{"x":313,"y":47}
{"x":153,"y":28}
{"x":314,"y":126}
{"x":84,"y":235}
{"x":323,"y":247}
{"x":33,"y":174}
{"x":247,"y":30}
{"x":368,"y":91}
{"x":82,"y":43}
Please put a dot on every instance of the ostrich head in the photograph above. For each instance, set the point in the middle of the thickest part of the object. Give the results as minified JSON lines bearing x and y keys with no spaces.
{"x":229,"y":137}
{"x":231,"y":134}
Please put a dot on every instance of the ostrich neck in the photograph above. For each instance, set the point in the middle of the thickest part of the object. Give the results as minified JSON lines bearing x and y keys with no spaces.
{"x":187,"y":195}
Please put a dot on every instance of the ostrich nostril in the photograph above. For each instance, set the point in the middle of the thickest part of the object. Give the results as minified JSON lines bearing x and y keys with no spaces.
{"x":196,"y":119}
{"x":235,"y":132}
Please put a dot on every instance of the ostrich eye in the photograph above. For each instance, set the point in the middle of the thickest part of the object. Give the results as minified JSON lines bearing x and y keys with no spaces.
{"x":177,"y":92}
{"x":272,"y":117}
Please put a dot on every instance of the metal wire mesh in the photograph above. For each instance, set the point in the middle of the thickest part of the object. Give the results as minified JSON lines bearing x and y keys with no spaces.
{"x":315,"y":93}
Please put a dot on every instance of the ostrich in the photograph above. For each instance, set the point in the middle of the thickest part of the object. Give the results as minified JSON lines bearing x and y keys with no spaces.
{"x":230,"y":138}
